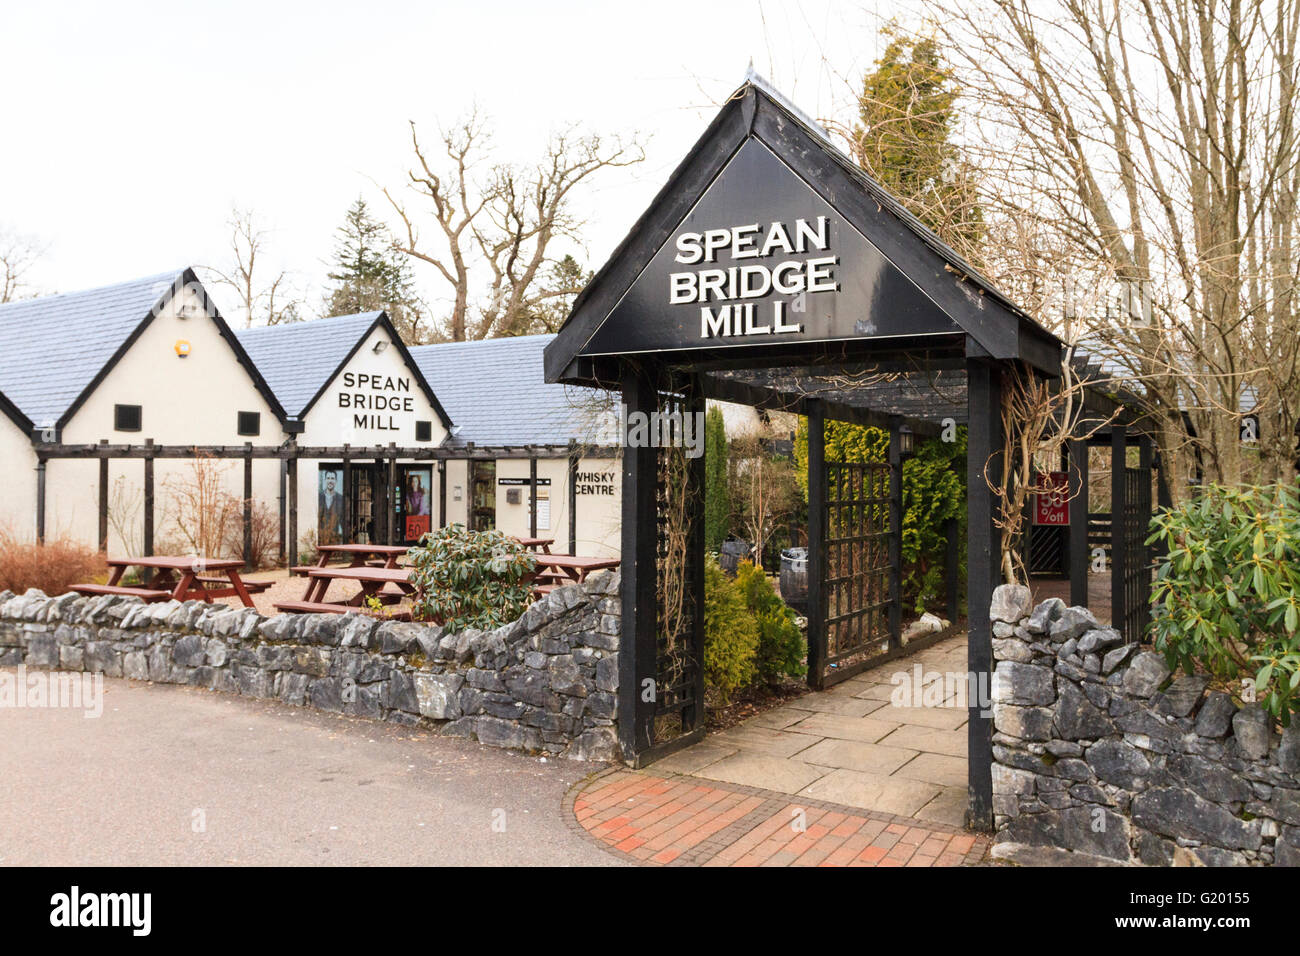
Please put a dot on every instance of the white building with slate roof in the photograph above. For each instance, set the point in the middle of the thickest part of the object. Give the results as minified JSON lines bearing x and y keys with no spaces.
{"x":148,"y":359}
{"x":153,"y":360}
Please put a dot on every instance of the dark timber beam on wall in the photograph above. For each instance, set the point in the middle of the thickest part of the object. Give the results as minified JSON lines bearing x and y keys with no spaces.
{"x":394,"y":496}
{"x":573,"y":497}
{"x":148,"y":502}
{"x":442,"y":494}
{"x":248,"y":507}
{"x":637,"y":647}
{"x":1078,"y":492}
{"x":532,"y":497}
{"x":283,"y":507}
{"x":291,"y":470}
{"x":103,"y":505}
{"x":347,"y":498}
{"x":816,"y":545}
{"x":984,"y":552}
{"x":1118,"y":560}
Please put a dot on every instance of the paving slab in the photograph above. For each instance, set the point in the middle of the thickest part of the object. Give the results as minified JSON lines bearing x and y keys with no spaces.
{"x":935,"y":768}
{"x":940,"y":718}
{"x":761,"y":770}
{"x":695,"y":758}
{"x":948,"y":808}
{"x":844,"y":705}
{"x":856,"y":755}
{"x":764,"y":740}
{"x":778,"y":718}
{"x":866,"y":729}
{"x":874,"y":791}
{"x":929,"y":739}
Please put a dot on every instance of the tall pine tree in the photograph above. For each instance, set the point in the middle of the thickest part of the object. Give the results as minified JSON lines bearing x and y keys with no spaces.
{"x":904,"y":138}
{"x":370,"y":275}
{"x":717,"y":491}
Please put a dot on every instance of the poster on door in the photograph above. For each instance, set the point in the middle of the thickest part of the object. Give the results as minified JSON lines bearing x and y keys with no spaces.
{"x":1052,"y":500}
{"x":415,"y":502}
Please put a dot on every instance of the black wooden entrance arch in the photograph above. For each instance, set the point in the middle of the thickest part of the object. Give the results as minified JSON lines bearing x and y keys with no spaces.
{"x":771,"y":271}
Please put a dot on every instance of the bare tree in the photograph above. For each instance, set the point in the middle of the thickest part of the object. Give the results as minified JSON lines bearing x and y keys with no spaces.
{"x":1150,"y":148}
{"x":262,"y":302}
{"x":17,"y":255}
{"x":501,"y":219}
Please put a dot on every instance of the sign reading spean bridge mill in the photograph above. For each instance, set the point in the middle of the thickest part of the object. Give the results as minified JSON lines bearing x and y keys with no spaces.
{"x":762,"y":257}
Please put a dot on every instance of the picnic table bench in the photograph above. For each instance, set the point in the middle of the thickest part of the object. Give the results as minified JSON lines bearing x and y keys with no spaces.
{"x":356,"y":555}
{"x":372,"y":581}
{"x":183,"y":577}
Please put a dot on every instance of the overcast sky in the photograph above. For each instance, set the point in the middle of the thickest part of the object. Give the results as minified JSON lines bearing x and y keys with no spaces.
{"x":131,"y":128}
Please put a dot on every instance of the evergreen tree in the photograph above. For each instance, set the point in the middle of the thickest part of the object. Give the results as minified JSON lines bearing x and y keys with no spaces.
{"x":904,"y":139}
{"x":717,"y":495}
{"x":370,"y":275}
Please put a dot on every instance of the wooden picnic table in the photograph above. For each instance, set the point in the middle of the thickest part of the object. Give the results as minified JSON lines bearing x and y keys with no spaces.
{"x":570,"y":568}
{"x":176,"y":577}
{"x":536,"y":544}
{"x":372,"y":581}
{"x":358,"y":555}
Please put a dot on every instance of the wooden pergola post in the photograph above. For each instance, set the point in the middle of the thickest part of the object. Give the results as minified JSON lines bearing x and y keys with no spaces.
{"x":291,"y":469}
{"x":637,"y":646}
{"x":103,"y":501}
{"x":573,"y":497}
{"x":40,"y":498}
{"x":816,"y":545}
{"x":1118,"y":560}
{"x":532,"y":497}
{"x":248,"y":505}
{"x":1077,"y":559}
{"x":983,"y":558}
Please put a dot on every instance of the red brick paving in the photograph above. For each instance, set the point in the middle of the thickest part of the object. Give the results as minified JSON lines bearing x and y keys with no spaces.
{"x":681,"y":821}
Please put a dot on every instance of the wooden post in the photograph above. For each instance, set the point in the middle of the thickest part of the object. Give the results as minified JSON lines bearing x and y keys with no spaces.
{"x":394,"y":496}
{"x":532,"y":497}
{"x":40,"y":499}
{"x":347,"y":496}
{"x":573,"y":497}
{"x":816,"y":545}
{"x":694,"y":717}
{"x":895,"y":536}
{"x":283,"y":505}
{"x":103,"y":500}
{"x":1077,"y":559}
{"x":442,"y":493}
{"x":637,"y":647}
{"x":248,"y":505}
{"x":148,"y":501}
{"x":291,"y":469}
{"x":983,"y":559}
{"x":1118,"y":562}
{"x":952,"y":568}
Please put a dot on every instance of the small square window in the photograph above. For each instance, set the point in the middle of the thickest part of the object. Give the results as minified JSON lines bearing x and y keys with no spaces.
{"x":424,"y":431}
{"x":126,"y":418}
{"x":250,"y":423}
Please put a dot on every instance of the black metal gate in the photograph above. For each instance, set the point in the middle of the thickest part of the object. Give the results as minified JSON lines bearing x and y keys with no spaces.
{"x":860,"y":590}
{"x":1131,"y":571}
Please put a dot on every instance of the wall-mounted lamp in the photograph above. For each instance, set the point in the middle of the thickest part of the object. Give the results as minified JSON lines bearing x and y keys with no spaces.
{"x":906,"y":441}
{"x":182,"y":348}
{"x":380,"y":346}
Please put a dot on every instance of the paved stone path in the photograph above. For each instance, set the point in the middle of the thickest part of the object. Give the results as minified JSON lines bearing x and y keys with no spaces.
{"x":676,"y":820}
{"x":850,"y":745}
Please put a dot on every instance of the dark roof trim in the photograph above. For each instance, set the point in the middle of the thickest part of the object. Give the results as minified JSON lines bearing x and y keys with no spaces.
{"x":15,"y":415}
{"x":1000,"y":328}
{"x":383,"y":320}
{"x":186,"y":278}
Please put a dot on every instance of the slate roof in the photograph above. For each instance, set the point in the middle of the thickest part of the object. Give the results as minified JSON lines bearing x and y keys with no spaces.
{"x":300,"y":358}
{"x":55,"y":346}
{"x":495,"y":393}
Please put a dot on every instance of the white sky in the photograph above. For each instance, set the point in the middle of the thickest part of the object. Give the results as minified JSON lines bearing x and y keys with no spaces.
{"x":130,"y":129}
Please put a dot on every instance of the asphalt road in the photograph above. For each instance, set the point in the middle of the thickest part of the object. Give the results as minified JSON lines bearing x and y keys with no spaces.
{"x":179,"y":776}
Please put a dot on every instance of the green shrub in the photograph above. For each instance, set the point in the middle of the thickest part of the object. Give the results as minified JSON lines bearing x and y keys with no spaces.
{"x":781,"y":646}
{"x":730,"y":635}
{"x":463,"y":579}
{"x":717,"y":493}
{"x":1227,"y":595}
{"x":934,"y":490}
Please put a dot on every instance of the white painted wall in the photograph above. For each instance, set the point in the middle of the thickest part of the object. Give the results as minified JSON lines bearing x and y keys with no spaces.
{"x":18,"y":503}
{"x":190,"y":400}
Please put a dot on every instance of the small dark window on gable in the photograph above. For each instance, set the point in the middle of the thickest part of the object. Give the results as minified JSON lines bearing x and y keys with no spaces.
{"x":126,"y":418}
{"x":424,"y":431}
{"x":250,"y":423}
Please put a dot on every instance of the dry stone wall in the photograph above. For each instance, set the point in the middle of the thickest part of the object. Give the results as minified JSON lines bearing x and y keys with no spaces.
{"x":1099,"y":750}
{"x":547,"y":682}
